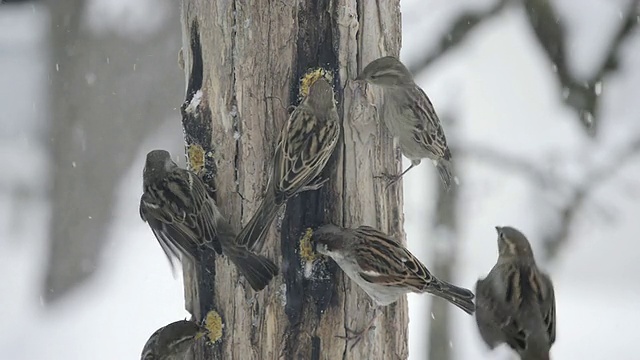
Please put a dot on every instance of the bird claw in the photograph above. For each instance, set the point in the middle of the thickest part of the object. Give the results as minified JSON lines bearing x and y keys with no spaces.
{"x":390,"y":179}
{"x":357,"y":335}
{"x":316,"y":185}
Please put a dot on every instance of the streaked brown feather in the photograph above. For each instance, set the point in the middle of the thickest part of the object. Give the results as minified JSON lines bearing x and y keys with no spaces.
{"x":386,"y":251}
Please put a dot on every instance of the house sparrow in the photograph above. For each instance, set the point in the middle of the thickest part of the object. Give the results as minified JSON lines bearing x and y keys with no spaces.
{"x":305,"y":145}
{"x":516,"y":301}
{"x":382,"y":267}
{"x":409,"y":116}
{"x":185,"y":219}
{"x":173,"y":342}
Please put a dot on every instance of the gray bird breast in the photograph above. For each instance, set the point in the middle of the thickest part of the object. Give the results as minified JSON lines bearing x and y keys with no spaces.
{"x":400,"y":119}
{"x":382,"y":295}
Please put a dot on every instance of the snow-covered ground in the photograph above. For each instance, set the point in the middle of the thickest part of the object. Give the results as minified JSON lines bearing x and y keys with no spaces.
{"x":499,"y":88}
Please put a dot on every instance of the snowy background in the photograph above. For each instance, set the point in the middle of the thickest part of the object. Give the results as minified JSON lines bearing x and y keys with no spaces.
{"x":497,"y":85}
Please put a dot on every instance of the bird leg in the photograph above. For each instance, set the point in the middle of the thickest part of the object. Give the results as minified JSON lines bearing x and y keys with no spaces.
{"x":392,"y":179}
{"x":358,"y":335}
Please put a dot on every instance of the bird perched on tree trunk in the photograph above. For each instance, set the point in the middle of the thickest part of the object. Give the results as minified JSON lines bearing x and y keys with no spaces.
{"x":173,"y":342}
{"x":516,"y":301}
{"x":304,"y":147}
{"x":185,"y":219}
{"x":382,"y":267}
{"x":409,"y":116}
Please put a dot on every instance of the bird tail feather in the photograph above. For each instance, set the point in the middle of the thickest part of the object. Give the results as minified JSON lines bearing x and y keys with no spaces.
{"x":460,"y":297}
{"x":253,"y":233}
{"x":258,"y":270}
{"x":445,"y":171}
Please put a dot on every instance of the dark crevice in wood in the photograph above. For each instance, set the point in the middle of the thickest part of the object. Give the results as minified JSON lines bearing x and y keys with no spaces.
{"x":315,"y":348}
{"x":197,"y":69}
{"x":308,"y":298}
{"x":359,"y":39}
{"x":196,"y":123}
{"x":235,"y":119}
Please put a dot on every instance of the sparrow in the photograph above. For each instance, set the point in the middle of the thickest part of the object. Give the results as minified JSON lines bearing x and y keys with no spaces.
{"x":382,"y":267}
{"x":304,"y":147}
{"x":516,"y":301}
{"x":185,"y":219}
{"x":409,"y":116}
{"x":173,"y":342}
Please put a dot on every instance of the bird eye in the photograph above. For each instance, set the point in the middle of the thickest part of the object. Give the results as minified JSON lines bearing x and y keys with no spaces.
{"x":502,"y":238}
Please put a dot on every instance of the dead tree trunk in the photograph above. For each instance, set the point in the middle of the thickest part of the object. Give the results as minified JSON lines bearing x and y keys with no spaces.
{"x":245,"y":60}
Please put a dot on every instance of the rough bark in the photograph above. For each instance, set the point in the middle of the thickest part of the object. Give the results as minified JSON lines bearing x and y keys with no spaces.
{"x":246,"y":58}
{"x":108,"y":93}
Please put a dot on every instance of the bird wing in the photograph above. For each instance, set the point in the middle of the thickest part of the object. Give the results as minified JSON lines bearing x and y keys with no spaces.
{"x":548,"y":307}
{"x":489,"y":315}
{"x":172,"y":242}
{"x":384,"y":261}
{"x":181,"y":214}
{"x":502,"y":305}
{"x":427,"y":129}
{"x":206,"y":216}
{"x":303,"y":149}
{"x":537,"y":289}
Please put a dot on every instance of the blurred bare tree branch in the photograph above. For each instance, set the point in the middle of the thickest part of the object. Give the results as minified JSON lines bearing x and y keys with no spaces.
{"x":459,"y":30}
{"x":581,"y":95}
{"x":598,"y":176}
{"x":503,"y":160}
{"x":540,"y":175}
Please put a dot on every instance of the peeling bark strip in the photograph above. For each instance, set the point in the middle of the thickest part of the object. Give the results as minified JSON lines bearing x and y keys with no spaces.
{"x":242,"y":61}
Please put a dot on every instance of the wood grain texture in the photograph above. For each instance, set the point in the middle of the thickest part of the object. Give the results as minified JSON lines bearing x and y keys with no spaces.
{"x":252,"y":56}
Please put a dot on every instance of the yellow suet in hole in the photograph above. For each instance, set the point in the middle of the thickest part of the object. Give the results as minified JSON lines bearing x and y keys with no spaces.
{"x":213,"y":324}
{"x":195,"y":153}
{"x":306,"y":249}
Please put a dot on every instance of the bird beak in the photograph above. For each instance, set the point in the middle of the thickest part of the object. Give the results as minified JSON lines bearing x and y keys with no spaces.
{"x":498,"y":229}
